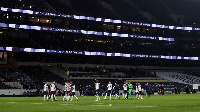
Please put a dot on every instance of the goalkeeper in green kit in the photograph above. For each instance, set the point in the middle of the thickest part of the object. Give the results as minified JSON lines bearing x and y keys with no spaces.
{"x":130,"y":86}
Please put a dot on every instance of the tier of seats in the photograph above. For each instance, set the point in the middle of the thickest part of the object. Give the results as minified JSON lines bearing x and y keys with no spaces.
{"x":179,"y":77}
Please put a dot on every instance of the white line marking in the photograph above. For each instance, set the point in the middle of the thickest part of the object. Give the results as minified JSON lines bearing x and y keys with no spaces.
{"x":36,"y":103}
{"x":102,"y":105}
{"x":10,"y":102}
{"x":99,"y":103}
{"x":66,"y":104}
{"x":144,"y":106}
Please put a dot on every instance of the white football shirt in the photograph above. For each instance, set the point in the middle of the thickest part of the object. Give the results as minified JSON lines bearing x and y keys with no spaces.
{"x":125,"y":86}
{"x":45,"y":87}
{"x":67,"y":87}
{"x":53,"y":87}
{"x":136,"y":89}
{"x":109,"y":86}
{"x":139,"y":88}
{"x":97,"y":85}
{"x":73,"y":88}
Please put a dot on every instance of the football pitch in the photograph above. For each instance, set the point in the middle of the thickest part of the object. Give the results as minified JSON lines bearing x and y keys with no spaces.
{"x":157,"y":103}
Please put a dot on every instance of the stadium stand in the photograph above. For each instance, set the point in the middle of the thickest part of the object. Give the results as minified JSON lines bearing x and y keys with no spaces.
{"x":40,"y":75}
{"x":187,"y":9}
{"x":32,"y":76}
{"x":179,"y":77}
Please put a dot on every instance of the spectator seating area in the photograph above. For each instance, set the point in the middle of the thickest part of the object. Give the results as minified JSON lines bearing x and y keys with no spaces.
{"x":8,"y":40}
{"x":172,"y":12}
{"x":34,"y":76}
{"x":101,"y":44}
{"x":193,"y":73}
{"x":14,"y":75}
{"x":81,"y":59}
{"x":106,"y":72}
{"x":179,"y":77}
{"x":186,"y":8}
{"x":80,"y":42}
{"x":4,"y":86}
{"x":39,"y":76}
{"x":38,"y":5}
{"x":27,"y":77}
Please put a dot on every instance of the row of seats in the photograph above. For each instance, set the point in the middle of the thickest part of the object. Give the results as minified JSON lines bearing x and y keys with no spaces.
{"x":106,"y":72}
{"x":186,"y":78}
{"x":14,"y":75}
{"x":39,"y":76}
{"x":179,"y":77}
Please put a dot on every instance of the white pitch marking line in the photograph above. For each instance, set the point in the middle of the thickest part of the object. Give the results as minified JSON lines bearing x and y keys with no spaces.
{"x":144,"y":106}
{"x":99,"y":103}
{"x":11,"y":102}
{"x":66,"y":104}
{"x":36,"y":103}
{"x":102,"y":105}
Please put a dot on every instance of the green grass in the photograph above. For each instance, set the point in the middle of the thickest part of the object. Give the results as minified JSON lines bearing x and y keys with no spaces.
{"x":157,"y":103}
{"x":147,"y":81}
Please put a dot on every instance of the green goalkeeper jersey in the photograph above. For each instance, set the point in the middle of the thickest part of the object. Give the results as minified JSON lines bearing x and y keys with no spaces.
{"x":130,"y":86}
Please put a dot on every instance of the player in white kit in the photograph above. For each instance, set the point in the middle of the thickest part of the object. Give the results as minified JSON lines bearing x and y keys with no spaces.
{"x":109,"y":86}
{"x":97,"y":87}
{"x":136,"y":90}
{"x":53,"y":91}
{"x":140,"y":91}
{"x":67,"y":90}
{"x":125,"y":86}
{"x":73,"y":92}
{"x":45,"y":91}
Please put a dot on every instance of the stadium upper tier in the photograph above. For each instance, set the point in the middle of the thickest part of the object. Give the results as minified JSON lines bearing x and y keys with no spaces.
{"x":98,"y":19}
{"x":87,"y":53}
{"x":28,"y":27}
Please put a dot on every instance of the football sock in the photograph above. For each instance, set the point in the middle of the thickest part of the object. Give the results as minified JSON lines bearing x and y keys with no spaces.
{"x":55,"y":97}
{"x":105,"y":95}
{"x":97,"y":97}
{"x":52,"y":97}
{"x":44,"y":97}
